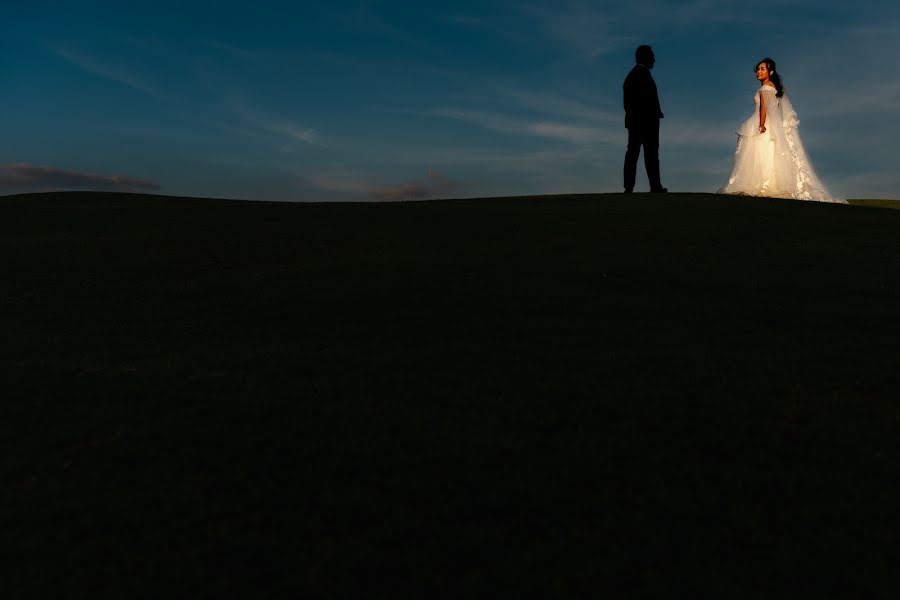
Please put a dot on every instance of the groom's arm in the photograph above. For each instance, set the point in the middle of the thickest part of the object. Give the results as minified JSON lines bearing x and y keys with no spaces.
{"x":628,"y":95}
{"x":656,"y":98}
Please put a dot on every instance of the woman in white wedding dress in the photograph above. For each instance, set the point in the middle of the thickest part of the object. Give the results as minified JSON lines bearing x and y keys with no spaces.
{"x":770,"y":159}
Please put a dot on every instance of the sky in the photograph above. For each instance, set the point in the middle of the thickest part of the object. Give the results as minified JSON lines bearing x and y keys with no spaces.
{"x":379,"y":101}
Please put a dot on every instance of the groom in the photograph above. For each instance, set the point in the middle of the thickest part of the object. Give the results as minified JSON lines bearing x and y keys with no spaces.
{"x":642,"y":115}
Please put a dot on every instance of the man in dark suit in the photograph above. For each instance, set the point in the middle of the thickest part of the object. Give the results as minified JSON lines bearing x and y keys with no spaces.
{"x":642,"y":115}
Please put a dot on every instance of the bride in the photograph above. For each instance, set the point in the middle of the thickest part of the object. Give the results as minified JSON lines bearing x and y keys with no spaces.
{"x":770,"y":159}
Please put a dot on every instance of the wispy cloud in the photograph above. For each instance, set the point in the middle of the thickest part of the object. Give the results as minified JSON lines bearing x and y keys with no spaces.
{"x":328,"y":183}
{"x":540,"y":114}
{"x":557,"y":104}
{"x":542,"y":128}
{"x":554,"y":116}
{"x":589,"y":31}
{"x":592,"y":30}
{"x":365,"y":19}
{"x":21,"y":177}
{"x":276,"y":125}
{"x":431,"y":186}
{"x":411,"y":190}
{"x":234,"y":51}
{"x":466,"y":21}
{"x":100,"y":68}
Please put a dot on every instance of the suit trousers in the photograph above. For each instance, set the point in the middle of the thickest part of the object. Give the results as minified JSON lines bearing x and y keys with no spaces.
{"x":644,"y":134}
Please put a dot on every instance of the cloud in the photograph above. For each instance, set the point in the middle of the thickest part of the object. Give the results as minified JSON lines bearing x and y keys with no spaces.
{"x":404,"y":191}
{"x":275,"y":125}
{"x":572,"y":133}
{"x":577,"y":123}
{"x":439,"y":181}
{"x":559,"y":105}
{"x":466,"y":21}
{"x":546,"y":115}
{"x":486,"y":119}
{"x":432,"y":186}
{"x":593,"y":30}
{"x":91,"y":65}
{"x":232,"y":50}
{"x":365,"y":19}
{"x":591,"y":33}
{"x":28,"y":177}
{"x":330,"y":184}
{"x":290,"y":130}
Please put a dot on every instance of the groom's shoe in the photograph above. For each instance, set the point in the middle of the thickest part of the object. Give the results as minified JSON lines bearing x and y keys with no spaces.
{"x":627,"y":191}
{"x":659,"y":191}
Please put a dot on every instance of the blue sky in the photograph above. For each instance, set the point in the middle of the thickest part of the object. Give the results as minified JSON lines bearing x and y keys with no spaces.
{"x":400,"y":100}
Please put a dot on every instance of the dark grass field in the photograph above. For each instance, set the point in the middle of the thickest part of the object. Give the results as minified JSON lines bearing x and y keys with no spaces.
{"x":575,"y":396}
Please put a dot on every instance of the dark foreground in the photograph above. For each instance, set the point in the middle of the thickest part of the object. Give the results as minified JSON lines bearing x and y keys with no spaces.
{"x":579,"y":396}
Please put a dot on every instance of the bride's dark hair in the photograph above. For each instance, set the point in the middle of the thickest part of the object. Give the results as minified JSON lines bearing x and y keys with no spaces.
{"x":773,"y":76}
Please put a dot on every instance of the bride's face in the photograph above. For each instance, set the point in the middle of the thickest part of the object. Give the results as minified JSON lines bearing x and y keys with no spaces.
{"x":762,"y":71}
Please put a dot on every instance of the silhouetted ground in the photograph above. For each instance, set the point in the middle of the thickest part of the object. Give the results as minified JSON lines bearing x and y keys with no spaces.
{"x":575,"y":396}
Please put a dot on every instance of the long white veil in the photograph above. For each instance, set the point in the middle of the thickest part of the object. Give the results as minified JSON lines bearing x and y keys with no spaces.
{"x":774,"y":163}
{"x":806,"y":184}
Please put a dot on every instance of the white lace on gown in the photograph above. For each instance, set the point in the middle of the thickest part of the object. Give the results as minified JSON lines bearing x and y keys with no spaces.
{"x":774,"y":164}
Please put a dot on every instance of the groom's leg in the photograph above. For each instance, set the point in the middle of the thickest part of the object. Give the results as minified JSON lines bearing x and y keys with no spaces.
{"x":631,"y":157}
{"x":651,"y":154}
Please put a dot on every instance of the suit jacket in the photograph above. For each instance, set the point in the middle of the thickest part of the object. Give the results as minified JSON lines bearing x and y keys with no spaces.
{"x":641,"y":98}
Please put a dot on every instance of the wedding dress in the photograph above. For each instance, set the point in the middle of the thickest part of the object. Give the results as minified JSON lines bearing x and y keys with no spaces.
{"x":774,"y":164}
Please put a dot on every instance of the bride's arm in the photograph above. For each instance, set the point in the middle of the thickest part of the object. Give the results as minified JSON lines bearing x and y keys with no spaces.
{"x":762,"y":113}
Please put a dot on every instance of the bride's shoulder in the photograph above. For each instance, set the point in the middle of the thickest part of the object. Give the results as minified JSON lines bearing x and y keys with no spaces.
{"x":767,"y":87}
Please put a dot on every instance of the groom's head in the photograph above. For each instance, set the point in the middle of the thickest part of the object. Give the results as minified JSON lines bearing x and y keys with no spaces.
{"x":644,"y":56}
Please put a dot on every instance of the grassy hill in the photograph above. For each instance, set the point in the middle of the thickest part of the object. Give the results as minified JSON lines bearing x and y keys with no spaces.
{"x":563,"y":395}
